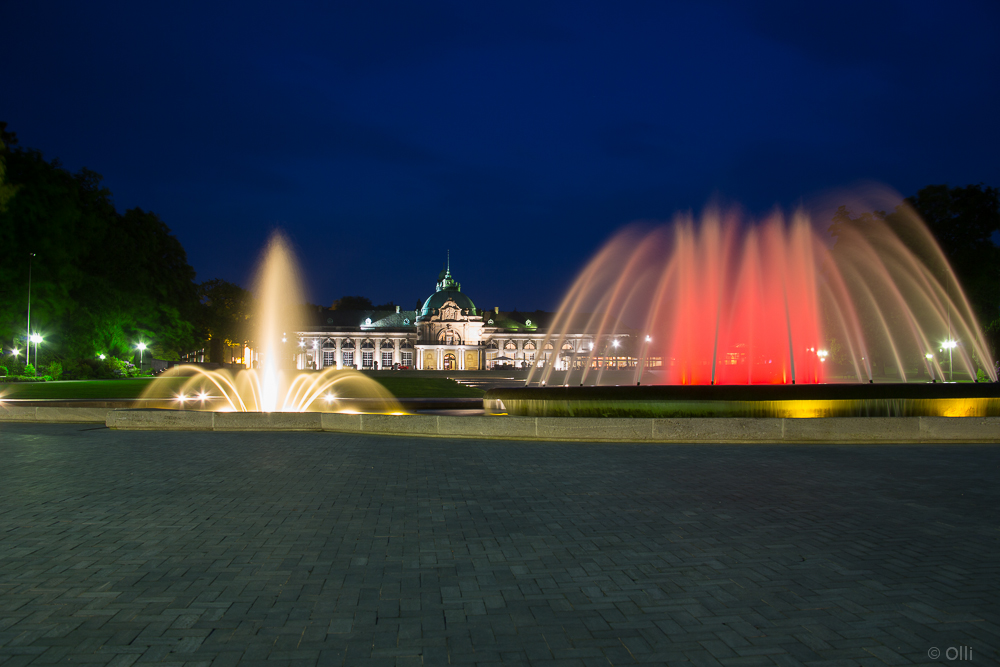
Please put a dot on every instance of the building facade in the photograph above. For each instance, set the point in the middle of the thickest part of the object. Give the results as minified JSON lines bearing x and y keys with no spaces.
{"x":447,"y":333}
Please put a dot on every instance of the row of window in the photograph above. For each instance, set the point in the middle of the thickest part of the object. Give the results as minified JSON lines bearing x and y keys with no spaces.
{"x":365,"y":345}
{"x":367,"y":358}
{"x":529,"y":345}
{"x":447,"y":337}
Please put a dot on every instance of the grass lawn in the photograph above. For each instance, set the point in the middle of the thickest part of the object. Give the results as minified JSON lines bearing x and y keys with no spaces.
{"x":399,"y":385}
{"x":402,"y":386}
{"x":92,"y":389}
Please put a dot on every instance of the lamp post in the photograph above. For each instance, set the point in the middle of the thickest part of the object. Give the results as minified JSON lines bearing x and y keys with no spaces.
{"x":27,"y":331}
{"x":950,"y":345}
{"x":642,"y":359}
{"x":142,"y":347}
{"x":36,"y":339}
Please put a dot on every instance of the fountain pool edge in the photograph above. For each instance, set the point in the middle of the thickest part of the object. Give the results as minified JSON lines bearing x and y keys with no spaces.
{"x":736,"y":430}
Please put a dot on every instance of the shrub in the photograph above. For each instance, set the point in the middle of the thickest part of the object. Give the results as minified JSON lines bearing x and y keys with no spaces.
{"x":3,"y":371}
{"x":118,"y":368}
{"x":81,"y":369}
{"x":13,"y":365}
{"x":55,"y":370}
{"x":29,"y":370}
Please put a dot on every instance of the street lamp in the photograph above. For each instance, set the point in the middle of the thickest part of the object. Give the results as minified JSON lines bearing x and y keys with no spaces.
{"x":27,"y":332}
{"x":142,"y":347}
{"x":36,"y":339}
{"x":949,"y":345}
{"x":642,"y":359}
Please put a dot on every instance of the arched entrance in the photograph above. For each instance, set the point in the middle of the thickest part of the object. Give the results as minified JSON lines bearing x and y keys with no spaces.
{"x":449,"y":361}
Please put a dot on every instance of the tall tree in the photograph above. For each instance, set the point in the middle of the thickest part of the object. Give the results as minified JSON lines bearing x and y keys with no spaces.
{"x":101,"y":281}
{"x":7,"y":190}
{"x":226,"y":316}
{"x":352,"y":303}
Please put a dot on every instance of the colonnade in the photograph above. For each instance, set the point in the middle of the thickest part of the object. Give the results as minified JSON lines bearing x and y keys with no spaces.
{"x":322,"y":351}
{"x":325,"y":351}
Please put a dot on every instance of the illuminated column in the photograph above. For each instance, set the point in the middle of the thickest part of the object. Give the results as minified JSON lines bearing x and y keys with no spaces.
{"x":396,"y":359}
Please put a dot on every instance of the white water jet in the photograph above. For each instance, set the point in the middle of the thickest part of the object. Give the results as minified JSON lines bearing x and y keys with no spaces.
{"x":274,"y":385}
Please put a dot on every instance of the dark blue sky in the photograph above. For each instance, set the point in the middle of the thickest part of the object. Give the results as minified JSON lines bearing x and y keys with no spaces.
{"x":520,"y":135}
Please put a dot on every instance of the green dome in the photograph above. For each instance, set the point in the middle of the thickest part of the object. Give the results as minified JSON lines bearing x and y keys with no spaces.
{"x":436,"y":300}
{"x":447,"y":288}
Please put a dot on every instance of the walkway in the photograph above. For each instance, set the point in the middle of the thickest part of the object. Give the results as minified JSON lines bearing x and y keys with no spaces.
{"x":320,"y":548}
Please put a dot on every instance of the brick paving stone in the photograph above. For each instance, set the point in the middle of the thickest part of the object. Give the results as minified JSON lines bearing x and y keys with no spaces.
{"x":136,"y":548}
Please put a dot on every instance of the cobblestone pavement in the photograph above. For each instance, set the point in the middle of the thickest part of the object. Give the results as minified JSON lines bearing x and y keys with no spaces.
{"x":124,"y":548}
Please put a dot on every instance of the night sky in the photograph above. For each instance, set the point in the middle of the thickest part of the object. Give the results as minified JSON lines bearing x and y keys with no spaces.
{"x":519,"y":135}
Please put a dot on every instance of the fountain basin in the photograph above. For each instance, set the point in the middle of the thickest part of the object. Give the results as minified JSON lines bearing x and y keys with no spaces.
{"x":750,"y":401}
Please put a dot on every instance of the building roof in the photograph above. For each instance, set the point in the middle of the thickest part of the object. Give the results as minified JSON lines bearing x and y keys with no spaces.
{"x":447,"y":289}
{"x":366,"y":319}
{"x":541,"y":321}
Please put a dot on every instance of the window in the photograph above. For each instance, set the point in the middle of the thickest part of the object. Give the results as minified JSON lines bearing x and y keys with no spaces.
{"x":349,"y":359}
{"x":366,"y":358}
{"x":386,"y":358}
{"x":408,"y":358}
{"x":449,"y":362}
{"x":449,"y":338}
{"x":327,"y":358}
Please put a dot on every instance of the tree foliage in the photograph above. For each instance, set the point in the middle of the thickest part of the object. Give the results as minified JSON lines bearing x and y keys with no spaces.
{"x":100,"y":280}
{"x":360,"y":303}
{"x":226,"y":315}
{"x":7,"y":190}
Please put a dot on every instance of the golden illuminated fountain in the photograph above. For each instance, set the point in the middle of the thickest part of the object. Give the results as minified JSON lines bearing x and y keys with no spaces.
{"x":274,"y":385}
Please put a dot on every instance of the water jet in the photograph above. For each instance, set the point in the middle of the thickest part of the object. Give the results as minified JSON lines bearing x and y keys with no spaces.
{"x":745,"y":318}
{"x":274,"y":385}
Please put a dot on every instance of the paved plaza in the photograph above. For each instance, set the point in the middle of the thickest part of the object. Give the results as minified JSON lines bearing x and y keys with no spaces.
{"x":120,"y":548}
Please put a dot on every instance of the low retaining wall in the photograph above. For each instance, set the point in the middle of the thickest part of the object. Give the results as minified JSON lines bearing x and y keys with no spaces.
{"x":693,"y":429}
{"x":18,"y":413}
